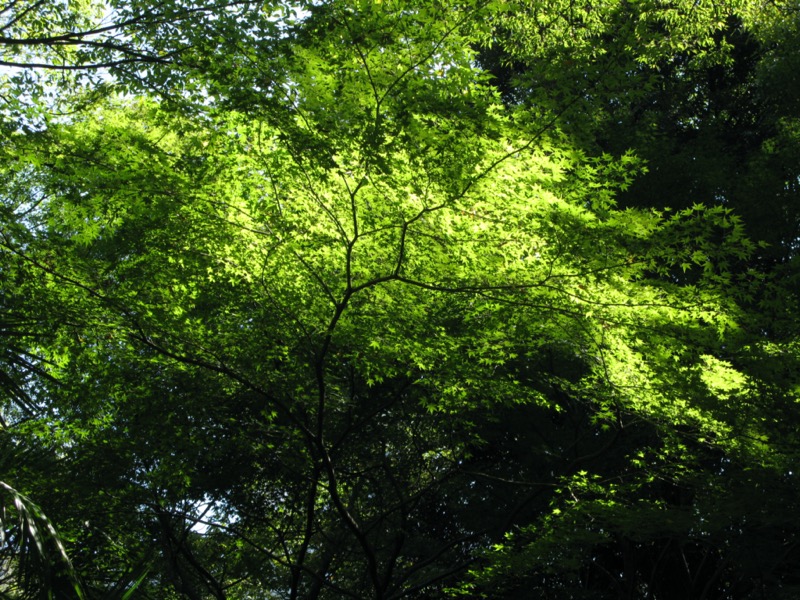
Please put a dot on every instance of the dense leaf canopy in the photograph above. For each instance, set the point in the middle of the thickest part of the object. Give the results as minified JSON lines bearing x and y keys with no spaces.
{"x":399,"y":299}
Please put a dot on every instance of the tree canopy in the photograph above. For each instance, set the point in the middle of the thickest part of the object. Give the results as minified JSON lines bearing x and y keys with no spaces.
{"x":399,"y":299}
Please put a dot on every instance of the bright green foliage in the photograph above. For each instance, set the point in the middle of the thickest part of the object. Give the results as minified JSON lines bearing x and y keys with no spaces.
{"x":325,"y":317}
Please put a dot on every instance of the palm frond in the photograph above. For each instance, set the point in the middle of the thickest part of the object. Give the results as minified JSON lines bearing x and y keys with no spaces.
{"x":32,"y":555}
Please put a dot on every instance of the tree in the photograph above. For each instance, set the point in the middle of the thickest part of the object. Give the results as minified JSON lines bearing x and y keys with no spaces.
{"x":348,"y":326}
{"x":707,"y":120}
